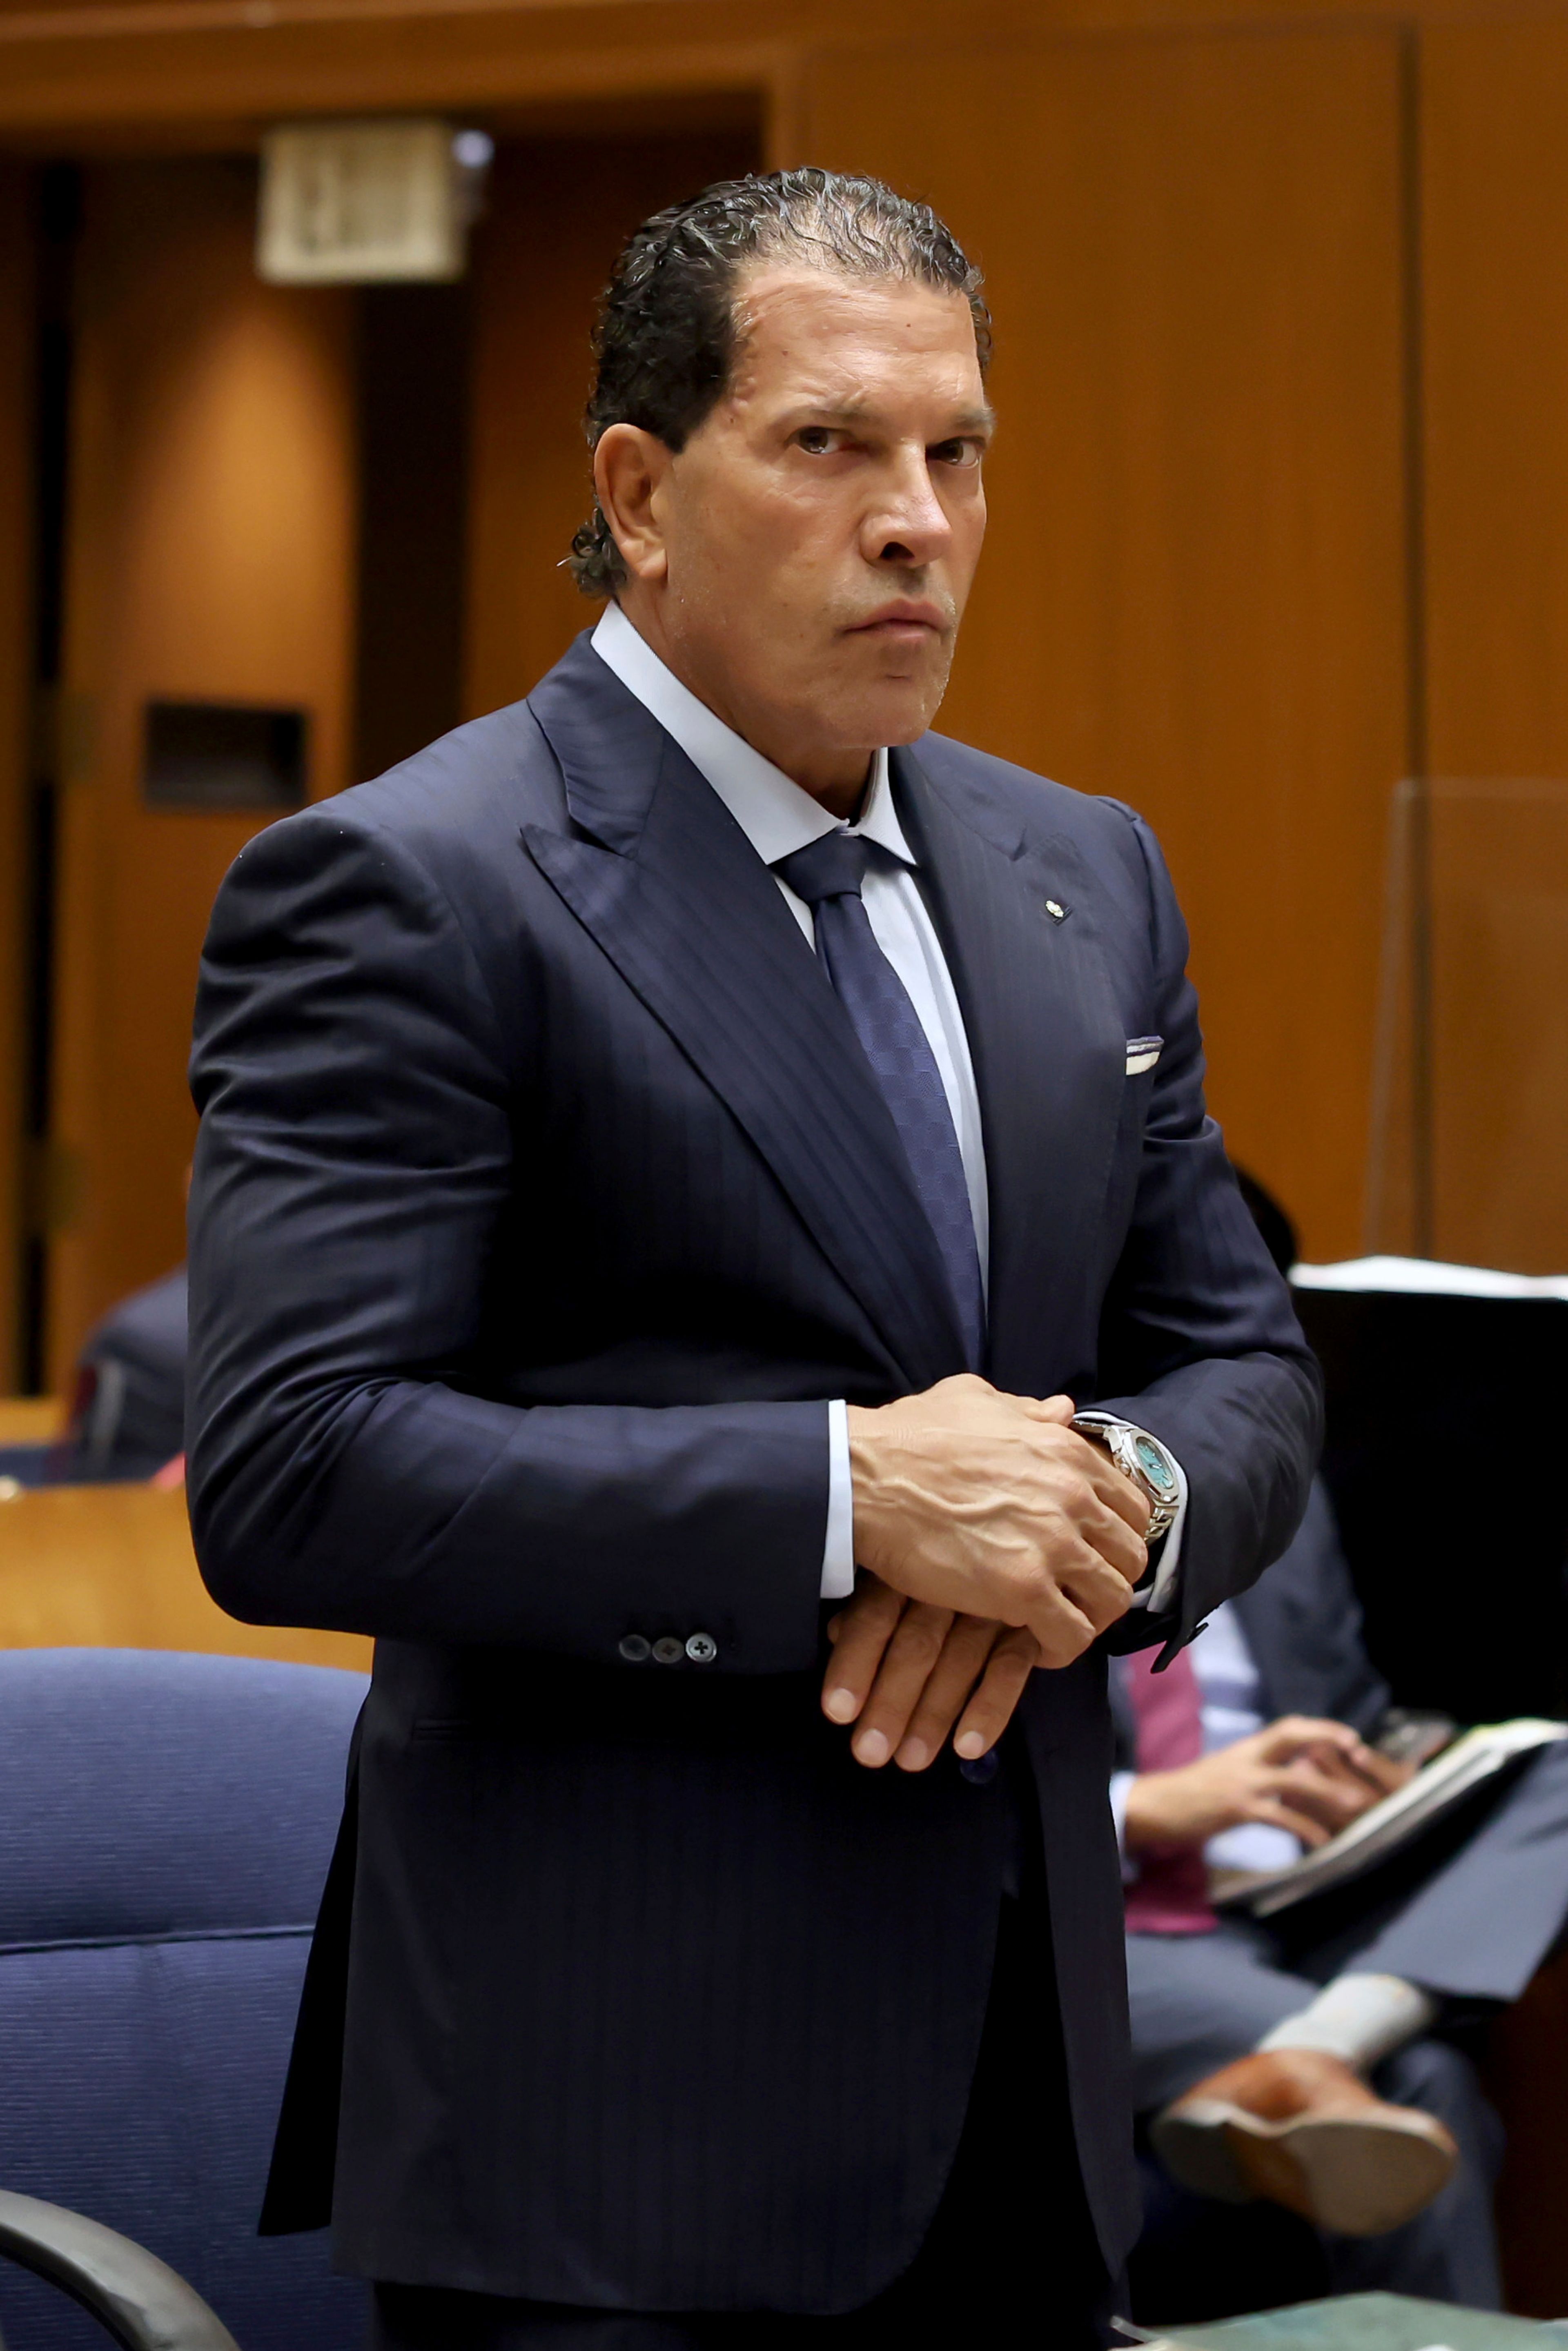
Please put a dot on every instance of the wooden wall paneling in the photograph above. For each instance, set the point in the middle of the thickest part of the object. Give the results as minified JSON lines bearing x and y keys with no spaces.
{"x":89,"y":1567}
{"x":155,"y":82}
{"x":154,"y":70}
{"x":1497,"y":867}
{"x":1494,"y":143}
{"x":15,"y":678}
{"x":31,"y":1420}
{"x":557,"y":214}
{"x":210,"y":558}
{"x":1193,"y":594}
{"x":1494,"y":140}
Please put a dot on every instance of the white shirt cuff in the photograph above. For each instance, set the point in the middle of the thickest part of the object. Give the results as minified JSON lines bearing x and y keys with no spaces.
{"x":838,"y":1550}
{"x":1158,"y":1592}
{"x":839,"y":1547}
{"x":1121,"y":1787}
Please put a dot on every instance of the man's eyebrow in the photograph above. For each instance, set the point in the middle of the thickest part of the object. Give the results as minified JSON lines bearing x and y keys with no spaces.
{"x":851,"y":413}
{"x":978,"y":420}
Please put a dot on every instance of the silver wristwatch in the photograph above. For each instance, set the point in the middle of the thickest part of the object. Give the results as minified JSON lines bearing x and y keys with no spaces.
{"x":1143,"y":1460}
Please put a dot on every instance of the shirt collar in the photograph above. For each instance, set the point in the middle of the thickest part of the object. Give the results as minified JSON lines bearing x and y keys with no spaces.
{"x":776,"y":816}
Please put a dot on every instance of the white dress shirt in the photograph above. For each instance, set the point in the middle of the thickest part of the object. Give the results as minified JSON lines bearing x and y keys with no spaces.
{"x":777,"y":818}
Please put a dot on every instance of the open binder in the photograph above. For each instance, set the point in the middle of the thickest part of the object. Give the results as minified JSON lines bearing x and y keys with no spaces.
{"x":1451,"y":1777}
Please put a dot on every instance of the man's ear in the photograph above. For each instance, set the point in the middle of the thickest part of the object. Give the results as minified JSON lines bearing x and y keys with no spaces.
{"x":631,"y":468}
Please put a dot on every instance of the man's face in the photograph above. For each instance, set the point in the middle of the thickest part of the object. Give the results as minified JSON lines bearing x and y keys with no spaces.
{"x":804,"y":561}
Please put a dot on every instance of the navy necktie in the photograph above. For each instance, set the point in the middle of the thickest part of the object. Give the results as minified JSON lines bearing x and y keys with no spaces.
{"x":828,"y":875}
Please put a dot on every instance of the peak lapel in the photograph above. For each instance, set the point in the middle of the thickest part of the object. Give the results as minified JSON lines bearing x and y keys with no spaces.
{"x":678,"y":900}
{"x":1049,"y":1052}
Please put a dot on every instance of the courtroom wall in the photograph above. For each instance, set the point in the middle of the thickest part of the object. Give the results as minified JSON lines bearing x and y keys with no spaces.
{"x":16,"y":728}
{"x":1280,"y":499}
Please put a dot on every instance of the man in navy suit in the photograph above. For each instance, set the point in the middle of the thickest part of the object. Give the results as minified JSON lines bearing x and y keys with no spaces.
{"x":671,"y":1144}
{"x":1250,"y":2037}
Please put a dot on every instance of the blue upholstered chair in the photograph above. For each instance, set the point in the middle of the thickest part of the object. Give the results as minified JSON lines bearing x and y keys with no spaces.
{"x":29,"y":1465}
{"x":165,"y":1826}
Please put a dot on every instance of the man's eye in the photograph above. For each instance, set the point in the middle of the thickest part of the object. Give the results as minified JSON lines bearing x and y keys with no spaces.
{"x":958,"y":453}
{"x":816,"y":440}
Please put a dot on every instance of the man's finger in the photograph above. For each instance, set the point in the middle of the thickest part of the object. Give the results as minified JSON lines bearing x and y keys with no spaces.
{"x":1116,"y":1533}
{"x":1112,"y":1485}
{"x":1336,"y":1801}
{"x":865,"y":1628}
{"x":970,"y":1643}
{"x":1120,"y":1547}
{"x":1360,"y":1766}
{"x":1274,"y":1814}
{"x":1012,"y":1660}
{"x":1059,"y":1625}
{"x":1294,"y":1732}
{"x":1335,"y":1805}
{"x":907,"y":1664}
{"x":1099,"y":1591}
{"x":1054,"y":1412}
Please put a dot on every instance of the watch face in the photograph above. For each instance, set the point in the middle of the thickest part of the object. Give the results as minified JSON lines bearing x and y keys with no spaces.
{"x":1154,"y":1467}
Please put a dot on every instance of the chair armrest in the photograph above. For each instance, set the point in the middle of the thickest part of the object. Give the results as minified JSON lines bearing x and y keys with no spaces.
{"x":132,"y":2294}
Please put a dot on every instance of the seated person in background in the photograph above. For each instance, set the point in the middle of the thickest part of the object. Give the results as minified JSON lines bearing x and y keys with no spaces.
{"x":1260,"y":2048}
{"x":127,"y":1417}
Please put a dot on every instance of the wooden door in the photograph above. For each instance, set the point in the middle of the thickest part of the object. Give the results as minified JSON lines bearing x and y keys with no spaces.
{"x":557,"y":214}
{"x":1494,"y":148}
{"x":209,"y":562}
{"x":1193,"y":594}
{"x":15,"y":669}
{"x":223,"y":511}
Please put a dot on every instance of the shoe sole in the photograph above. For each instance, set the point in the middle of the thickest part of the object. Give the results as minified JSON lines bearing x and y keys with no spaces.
{"x":1358,"y":2175}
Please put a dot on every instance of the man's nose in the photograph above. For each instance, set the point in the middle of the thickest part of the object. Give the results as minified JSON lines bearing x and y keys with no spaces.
{"x":908,"y":524}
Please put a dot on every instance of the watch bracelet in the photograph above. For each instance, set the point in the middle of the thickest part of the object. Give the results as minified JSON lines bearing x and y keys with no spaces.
{"x":1162,"y":1514}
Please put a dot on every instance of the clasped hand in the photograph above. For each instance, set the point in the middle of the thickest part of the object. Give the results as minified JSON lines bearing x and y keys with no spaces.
{"x":992,"y":1540}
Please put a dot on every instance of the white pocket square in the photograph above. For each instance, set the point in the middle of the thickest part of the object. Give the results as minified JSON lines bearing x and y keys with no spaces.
{"x":1143,"y":1053}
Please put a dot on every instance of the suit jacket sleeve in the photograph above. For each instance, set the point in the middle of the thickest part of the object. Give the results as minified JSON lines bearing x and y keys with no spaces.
{"x":363,"y":1119}
{"x":1199,"y":1342}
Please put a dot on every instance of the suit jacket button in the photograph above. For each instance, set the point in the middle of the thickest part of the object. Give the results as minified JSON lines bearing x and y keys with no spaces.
{"x":702,"y":1648}
{"x":633,"y":1649}
{"x":668,"y":1650}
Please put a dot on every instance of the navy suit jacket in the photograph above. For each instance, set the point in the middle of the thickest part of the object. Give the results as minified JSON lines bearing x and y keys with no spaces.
{"x":543,"y":1198}
{"x":1303,"y":1625}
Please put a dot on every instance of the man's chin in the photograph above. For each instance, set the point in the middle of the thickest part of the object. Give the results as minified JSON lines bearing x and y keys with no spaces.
{"x":887,"y":711}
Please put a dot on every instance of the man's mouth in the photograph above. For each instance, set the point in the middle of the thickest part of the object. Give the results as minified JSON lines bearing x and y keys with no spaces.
{"x":902,"y":622}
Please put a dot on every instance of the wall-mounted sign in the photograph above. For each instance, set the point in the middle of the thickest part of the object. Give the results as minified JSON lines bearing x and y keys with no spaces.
{"x":355,"y":202}
{"x":223,"y":756}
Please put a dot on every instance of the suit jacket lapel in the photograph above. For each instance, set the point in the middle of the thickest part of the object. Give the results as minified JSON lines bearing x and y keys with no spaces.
{"x":676,"y":897}
{"x":1048,"y":1049}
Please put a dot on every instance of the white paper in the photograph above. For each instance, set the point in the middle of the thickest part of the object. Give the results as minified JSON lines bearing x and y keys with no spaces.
{"x":1388,"y":1826}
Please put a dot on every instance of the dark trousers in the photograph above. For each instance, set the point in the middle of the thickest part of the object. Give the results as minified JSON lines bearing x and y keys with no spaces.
{"x":1010,"y":2257}
{"x":1471,"y":1911}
